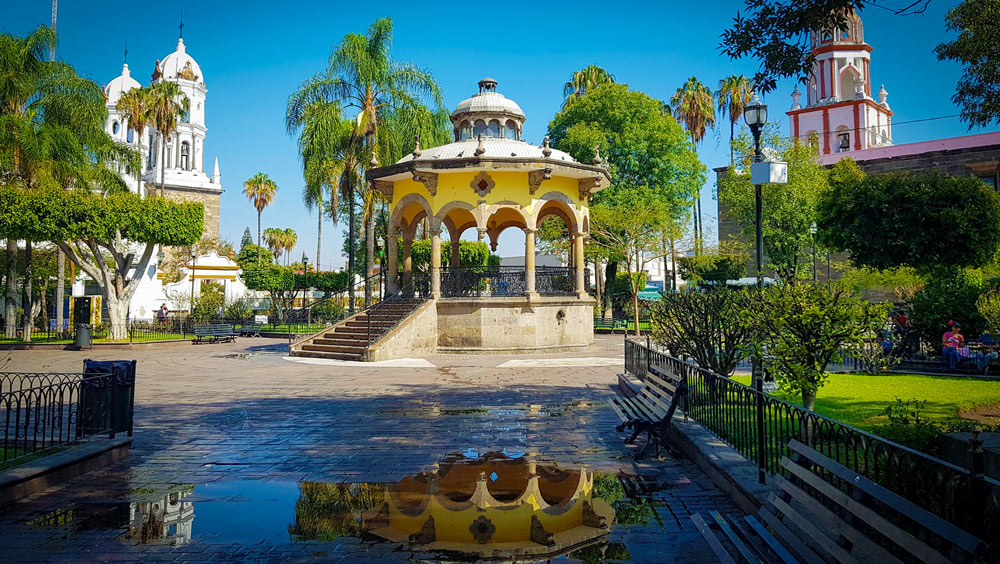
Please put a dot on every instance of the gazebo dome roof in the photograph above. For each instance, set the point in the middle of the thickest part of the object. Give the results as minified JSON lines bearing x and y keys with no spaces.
{"x":120,"y":85}
{"x":180,"y":65}
{"x":495,"y":149}
{"x":486,"y":104}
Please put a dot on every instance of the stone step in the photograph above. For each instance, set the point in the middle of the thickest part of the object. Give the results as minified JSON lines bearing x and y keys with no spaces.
{"x":339,"y":341}
{"x":355,"y":350}
{"x":329,"y":355}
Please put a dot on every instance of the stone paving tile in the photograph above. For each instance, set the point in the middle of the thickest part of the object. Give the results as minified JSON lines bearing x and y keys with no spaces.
{"x":240,"y":415}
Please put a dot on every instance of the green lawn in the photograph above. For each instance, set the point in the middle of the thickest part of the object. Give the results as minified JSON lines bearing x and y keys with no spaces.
{"x":857,"y":399}
{"x":22,"y":458}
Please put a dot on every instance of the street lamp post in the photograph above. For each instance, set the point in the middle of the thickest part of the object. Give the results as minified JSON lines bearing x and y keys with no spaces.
{"x":194,"y":257}
{"x":305,"y":282}
{"x":381,"y":267}
{"x":755,"y":114}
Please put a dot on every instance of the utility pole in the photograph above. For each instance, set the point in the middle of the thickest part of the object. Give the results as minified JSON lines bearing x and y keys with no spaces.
{"x":55,"y":12}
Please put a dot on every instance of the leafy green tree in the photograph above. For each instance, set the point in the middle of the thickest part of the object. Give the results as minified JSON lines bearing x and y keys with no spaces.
{"x":260,"y":190}
{"x":988,"y":305}
{"x":949,"y":295}
{"x":278,"y":282}
{"x":926,"y":221}
{"x":249,"y":255}
{"x":978,"y":25}
{"x":643,"y":146}
{"x":805,"y":327}
{"x":470,"y":253}
{"x":693,"y":107}
{"x":247,"y":238}
{"x":101,"y":234}
{"x":585,"y":80}
{"x":362,"y":74}
{"x":704,"y":325}
{"x":712,"y":267}
{"x":789,"y":210}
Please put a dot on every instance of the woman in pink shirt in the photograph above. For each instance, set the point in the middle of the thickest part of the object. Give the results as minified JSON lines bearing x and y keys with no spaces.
{"x":951,"y":341}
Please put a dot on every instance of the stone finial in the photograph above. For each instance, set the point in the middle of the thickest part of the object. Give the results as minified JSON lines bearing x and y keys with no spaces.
{"x":480,"y":149}
{"x":796,"y":95}
{"x":416,"y":150}
{"x":597,"y":155}
{"x":546,"y":150}
{"x":374,"y":162}
{"x":882,"y":95}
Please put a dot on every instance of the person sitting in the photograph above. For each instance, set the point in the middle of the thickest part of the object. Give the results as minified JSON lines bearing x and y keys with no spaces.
{"x":988,"y":351}
{"x":951,"y":342}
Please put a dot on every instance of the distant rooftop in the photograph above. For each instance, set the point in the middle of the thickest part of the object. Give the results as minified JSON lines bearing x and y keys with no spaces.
{"x":918,"y":148}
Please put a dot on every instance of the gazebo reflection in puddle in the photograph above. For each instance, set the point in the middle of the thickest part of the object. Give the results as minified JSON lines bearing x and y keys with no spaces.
{"x":494,"y":506}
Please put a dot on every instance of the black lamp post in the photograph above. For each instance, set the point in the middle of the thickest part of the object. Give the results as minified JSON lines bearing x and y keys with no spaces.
{"x":812,"y":232}
{"x":305,"y":277}
{"x":381,"y":267}
{"x":194,"y":257}
{"x":755,"y":114}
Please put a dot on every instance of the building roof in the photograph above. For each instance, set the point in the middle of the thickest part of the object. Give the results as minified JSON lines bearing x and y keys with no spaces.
{"x":495,"y":148}
{"x":488,"y":102}
{"x":180,"y":65}
{"x":921,"y":147}
{"x":120,"y":85}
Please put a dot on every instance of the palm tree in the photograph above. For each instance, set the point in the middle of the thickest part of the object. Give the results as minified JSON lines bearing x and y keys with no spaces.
{"x":288,"y":241}
{"x":273,"y":239}
{"x":168,"y":104}
{"x":361,"y":74}
{"x":694,"y":107}
{"x":136,"y":107}
{"x":733,"y":95}
{"x":585,"y":80}
{"x":260,"y":190}
{"x":51,"y":125}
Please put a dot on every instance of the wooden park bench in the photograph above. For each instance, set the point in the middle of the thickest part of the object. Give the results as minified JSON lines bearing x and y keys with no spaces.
{"x":826,"y":512}
{"x":650,"y":410}
{"x":214,"y":333}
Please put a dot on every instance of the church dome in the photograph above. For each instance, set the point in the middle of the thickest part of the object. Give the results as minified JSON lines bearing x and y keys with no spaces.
{"x":120,"y":85}
{"x":179,"y":65}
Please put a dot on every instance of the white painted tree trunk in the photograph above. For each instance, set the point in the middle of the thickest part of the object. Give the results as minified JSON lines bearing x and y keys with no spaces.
{"x":117,"y":315}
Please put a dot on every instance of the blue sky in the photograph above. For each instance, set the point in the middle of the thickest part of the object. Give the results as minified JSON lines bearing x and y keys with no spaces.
{"x":253,"y":54}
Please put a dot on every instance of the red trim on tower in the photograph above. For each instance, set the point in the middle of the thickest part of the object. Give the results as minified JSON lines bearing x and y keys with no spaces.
{"x":826,"y":131}
{"x":857,"y":127}
{"x":868,"y":78}
{"x":822,"y":80}
{"x":871,"y":103}
{"x":795,"y":126}
{"x":833,"y":79}
{"x":842,"y":47}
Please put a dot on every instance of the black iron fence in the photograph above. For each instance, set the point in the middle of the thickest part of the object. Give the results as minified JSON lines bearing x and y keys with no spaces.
{"x":760,"y":426}
{"x":40,"y":411}
{"x":482,"y":281}
{"x":555,"y":280}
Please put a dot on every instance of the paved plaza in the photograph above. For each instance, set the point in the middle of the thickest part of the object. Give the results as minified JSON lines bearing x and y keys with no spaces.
{"x":226,"y":434}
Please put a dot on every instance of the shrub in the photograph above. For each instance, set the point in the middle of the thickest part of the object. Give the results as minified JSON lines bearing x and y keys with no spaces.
{"x":209,"y":303}
{"x":713,"y":268}
{"x":988,"y":305}
{"x":908,"y":427}
{"x":239,"y":310}
{"x":327,"y":311}
{"x":948,"y":296}
{"x":703,"y":325}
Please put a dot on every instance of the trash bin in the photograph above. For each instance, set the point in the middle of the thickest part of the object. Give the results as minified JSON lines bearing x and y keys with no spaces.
{"x":84,"y":336}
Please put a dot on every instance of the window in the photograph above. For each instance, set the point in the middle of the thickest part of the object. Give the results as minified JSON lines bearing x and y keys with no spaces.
{"x":990,"y":181}
{"x":465,"y":131}
{"x":845,"y":142}
{"x":493,"y":129}
{"x":479,"y":128}
{"x":510,"y":130}
{"x":114,"y":128}
{"x":812,"y":138}
{"x":130,"y":135}
{"x":170,"y":155}
{"x":185,"y":155}
{"x":152,"y":148}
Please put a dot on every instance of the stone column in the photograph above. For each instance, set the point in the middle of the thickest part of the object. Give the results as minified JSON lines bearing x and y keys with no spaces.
{"x":391,"y":244}
{"x":529,"y":263}
{"x":435,"y":262}
{"x":407,"y":259}
{"x":581,"y":289}
{"x":481,"y":232}
{"x":571,"y":253}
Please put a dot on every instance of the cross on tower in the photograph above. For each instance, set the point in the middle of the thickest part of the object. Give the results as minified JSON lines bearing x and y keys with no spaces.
{"x":180,"y":33}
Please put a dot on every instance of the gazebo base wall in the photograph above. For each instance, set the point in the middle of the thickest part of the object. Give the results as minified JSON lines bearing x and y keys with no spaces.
{"x":510,"y":325}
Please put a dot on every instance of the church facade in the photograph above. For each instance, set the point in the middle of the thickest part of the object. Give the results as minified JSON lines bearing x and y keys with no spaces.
{"x":175,"y":161}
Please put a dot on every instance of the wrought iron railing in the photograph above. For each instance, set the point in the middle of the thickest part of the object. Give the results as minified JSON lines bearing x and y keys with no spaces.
{"x":478,"y":281}
{"x":555,"y":280}
{"x":760,"y":426}
{"x":40,"y":411}
{"x":385,"y":315}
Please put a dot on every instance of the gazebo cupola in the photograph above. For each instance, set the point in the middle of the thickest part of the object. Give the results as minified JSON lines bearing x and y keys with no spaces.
{"x":489,"y":179}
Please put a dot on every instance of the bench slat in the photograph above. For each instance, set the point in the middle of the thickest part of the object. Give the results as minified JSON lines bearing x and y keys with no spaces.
{"x":919,"y":515}
{"x":637,"y":407}
{"x":618,"y":411}
{"x":803,"y":523}
{"x":769,"y":539}
{"x":902,"y":538}
{"x":665,"y":386}
{"x":792,"y":540}
{"x":733,"y":537}
{"x":711,"y":539}
{"x":857,"y":538}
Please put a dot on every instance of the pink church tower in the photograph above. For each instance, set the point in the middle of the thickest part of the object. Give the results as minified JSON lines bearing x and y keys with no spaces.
{"x":840,"y":114}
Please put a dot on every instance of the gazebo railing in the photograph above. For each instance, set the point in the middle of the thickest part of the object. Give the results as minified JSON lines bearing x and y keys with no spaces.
{"x":479,"y":281}
{"x":555,"y":280}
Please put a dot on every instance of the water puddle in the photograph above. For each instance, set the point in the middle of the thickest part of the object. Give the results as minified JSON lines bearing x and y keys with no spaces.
{"x":503,"y":506}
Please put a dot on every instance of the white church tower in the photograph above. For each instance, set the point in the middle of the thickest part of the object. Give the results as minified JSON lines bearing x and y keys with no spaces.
{"x":840,"y":114}
{"x":116,"y":126}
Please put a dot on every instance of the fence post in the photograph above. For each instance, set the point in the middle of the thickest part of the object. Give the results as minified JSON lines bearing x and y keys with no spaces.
{"x":761,"y":454}
{"x":978,"y":491}
{"x":109,"y":388}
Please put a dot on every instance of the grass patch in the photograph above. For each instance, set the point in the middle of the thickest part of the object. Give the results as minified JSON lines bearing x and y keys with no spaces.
{"x":26,"y":458}
{"x":858,"y":399}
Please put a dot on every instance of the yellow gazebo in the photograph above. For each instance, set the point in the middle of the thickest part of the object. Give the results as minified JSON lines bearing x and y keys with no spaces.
{"x":491,"y":180}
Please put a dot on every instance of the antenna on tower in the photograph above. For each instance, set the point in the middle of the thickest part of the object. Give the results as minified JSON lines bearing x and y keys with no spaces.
{"x":55,"y":12}
{"x":180,"y":33}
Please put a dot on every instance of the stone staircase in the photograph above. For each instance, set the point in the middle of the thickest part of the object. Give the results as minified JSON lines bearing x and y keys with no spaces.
{"x":348,"y":340}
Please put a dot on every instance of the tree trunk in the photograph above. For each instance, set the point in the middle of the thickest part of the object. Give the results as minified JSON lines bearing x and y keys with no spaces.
{"x":610,"y":279}
{"x":666,"y":269}
{"x":350,"y":249}
{"x":369,"y":256}
{"x":673,"y":266}
{"x":598,"y":282}
{"x":26,"y":320}
{"x":634,"y":282}
{"x":319,"y":236}
{"x":117,"y":315}
{"x":163,"y":161}
{"x":258,"y":239}
{"x":10,"y":302}
{"x":732,"y":133}
{"x":809,"y":400}
{"x":60,"y":288}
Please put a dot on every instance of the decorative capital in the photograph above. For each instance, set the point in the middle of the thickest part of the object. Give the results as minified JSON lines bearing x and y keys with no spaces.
{"x":385,"y":187}
{"x":586,"y":185}
{"x":428,"y":179}
{"x":536,"y":177}
{"x":482,"y":184}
